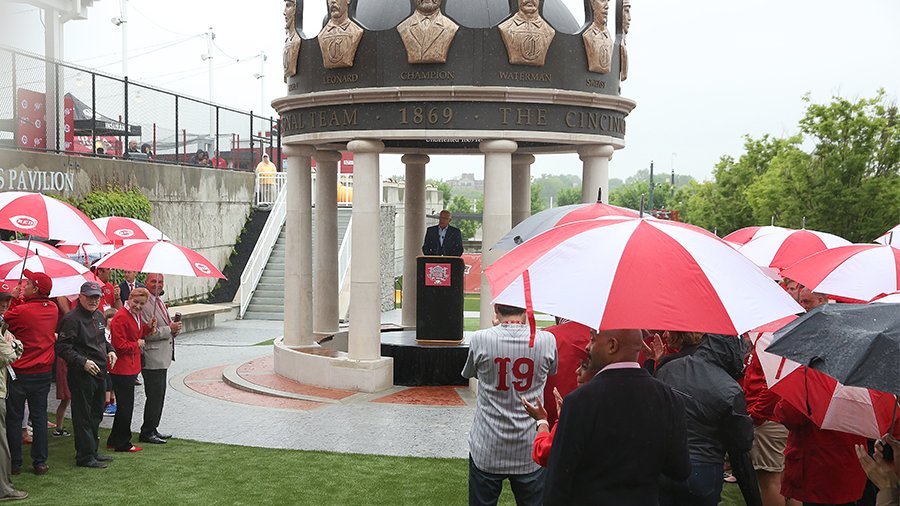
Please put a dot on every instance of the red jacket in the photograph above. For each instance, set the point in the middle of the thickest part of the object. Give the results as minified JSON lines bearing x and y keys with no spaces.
{"x":540,"y":451}
{"x":571,"y":340}
{"x":820,"y":466}
{"x":760,"y":401}
{"x":124,"y":333}
{"x":33,"y":321}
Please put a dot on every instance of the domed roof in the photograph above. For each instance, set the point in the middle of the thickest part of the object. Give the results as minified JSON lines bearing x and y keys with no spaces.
{"x":381,"y":15}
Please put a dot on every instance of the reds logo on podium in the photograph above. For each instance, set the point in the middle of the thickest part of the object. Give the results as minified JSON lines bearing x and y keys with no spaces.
{"x":437,"y":274}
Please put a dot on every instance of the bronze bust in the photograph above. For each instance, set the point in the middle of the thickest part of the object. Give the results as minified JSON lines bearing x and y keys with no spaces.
{"x":340,"y":37}
{"x":427,"y":33}
{"x":526,"y":35}
{"x":291,"y":40}
{"x":598,"y":45}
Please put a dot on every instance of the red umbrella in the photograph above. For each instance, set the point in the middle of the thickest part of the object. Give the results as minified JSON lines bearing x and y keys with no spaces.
{"x":162,"y":257}
{"x":781,"y":249}
{"x":891,"y":298}
{"x":37,"y":247}
{"x":747,"y":234}
{"x":828,"y":403}
{"x":67,"y":276}
{"x":632,"y":273}
{"x":42,"y":216}
{"x":891,"y":237}
{"x":121,"y":229}
{"x":859,"y":271}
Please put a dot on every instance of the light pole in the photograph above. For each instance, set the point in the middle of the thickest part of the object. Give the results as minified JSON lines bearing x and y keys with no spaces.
{"x":262,"y":82}
{"x":122,"y":22}
{"x":208,"y":58}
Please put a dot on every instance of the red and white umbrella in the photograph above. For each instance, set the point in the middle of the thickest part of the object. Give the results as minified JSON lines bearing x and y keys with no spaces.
{"x":549,"y":218}
{"x":891,"y":298}
{"x":37,"y":247}
{"x":43,"y":216}
{"x":891,"y":237}
{"x":858,"y":271}
{"x":67,"y":276}
{"x":632,"y":273}
{"x":160,"y":257}
{"x":744,"y":235}
{"x":120,"y":229}
{"x":782,"y":248}
{"x":832,"y":405}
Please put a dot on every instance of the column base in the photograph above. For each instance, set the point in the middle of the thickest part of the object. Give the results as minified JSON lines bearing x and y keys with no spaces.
{"x":323,"y":367}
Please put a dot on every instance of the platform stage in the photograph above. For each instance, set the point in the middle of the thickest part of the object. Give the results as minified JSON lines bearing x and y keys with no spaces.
{"x":418,"y":364}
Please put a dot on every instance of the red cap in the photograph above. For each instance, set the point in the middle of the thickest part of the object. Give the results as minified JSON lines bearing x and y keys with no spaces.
{"x":41,"y":281}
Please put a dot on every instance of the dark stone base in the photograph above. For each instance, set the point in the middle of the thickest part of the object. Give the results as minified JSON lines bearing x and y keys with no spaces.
{"x":418,"y":364}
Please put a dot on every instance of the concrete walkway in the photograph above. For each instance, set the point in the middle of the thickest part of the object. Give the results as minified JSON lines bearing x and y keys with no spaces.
{"x":426,"y":422}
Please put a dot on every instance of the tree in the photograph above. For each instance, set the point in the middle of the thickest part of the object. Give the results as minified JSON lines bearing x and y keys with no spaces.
{"x":551,"y":185}
{"x":538,"y":203}
{"x":443,"y":187}
{"x":460,"y":204}
{"x":568,"y":196}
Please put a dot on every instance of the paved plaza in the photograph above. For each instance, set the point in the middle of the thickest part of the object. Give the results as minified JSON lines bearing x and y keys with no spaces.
{"x":201,"y":405}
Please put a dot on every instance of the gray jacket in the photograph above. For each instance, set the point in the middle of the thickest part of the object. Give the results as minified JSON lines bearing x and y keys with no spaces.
{"x":158,"y":348}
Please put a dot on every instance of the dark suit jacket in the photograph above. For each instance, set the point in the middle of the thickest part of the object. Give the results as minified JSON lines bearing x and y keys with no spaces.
{"x":452,"y":247}
{"x":125,"y":290}
{"x":615,"y":436}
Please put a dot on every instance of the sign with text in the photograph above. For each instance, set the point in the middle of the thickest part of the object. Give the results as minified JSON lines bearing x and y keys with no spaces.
{"x":31,"y":114}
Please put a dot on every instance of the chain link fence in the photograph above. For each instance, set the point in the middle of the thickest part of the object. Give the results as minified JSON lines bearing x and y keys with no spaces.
{"x":62,"y":108}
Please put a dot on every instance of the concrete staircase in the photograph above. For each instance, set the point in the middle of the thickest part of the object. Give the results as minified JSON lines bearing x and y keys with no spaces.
{"x":267,"y":302}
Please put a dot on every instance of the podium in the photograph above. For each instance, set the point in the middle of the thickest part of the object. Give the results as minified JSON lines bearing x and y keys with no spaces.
{"x":439,"y":299}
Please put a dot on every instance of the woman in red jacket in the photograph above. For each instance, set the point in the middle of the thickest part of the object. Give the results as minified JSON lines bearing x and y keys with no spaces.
{"x":127,"y":332}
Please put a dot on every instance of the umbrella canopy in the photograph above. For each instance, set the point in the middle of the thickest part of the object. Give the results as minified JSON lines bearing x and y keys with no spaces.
{"x":120,"y":229}
{"x":547,"y":219}
{"x":891,"y":237}
{"x":891,"y":298}
{"x":12,"y":253}
{"x":856,"y":344}
{"x":162,"y":257}
{"x":859,"y":271}
{"x":637,"y":273}
{"x":37,"y":214}
{"x":783,"y":248}
{"x":828,"y":403}
{"x":744,"y":235}
{"x":67,"y":276}
{"x":37,"y":247}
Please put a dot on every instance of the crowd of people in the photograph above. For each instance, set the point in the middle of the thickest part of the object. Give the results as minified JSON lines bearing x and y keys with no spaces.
{"x":570,"y":415}
{"x":93,"y":346}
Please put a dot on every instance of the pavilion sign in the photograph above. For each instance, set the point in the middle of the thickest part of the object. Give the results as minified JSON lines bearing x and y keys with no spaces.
{"x":36,"y":180}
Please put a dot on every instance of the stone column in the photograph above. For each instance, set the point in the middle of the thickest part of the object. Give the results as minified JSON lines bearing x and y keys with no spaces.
{"x":595,"y":172}
{"x":413,"y":230}
{"x":298,"y":280}
{"x":497,"y":217}
{"x":325,"y":303}
{"x":365,"y":282}
{"x":521,"y":187}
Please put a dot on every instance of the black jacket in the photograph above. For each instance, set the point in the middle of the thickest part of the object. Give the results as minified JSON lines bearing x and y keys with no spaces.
{"x":125,"y":290}
{"x":82,"y":337}
{"x":453,"y":246}
{"x":715,"y":404}
{"x":615,"y":436}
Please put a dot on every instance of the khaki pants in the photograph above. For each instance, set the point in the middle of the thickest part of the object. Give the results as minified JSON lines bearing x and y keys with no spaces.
{"x":6,"y":487}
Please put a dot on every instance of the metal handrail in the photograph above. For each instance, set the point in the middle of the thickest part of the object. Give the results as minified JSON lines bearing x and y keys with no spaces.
{"x":269,"y":187}
{"x":263,"y":249}
{"x":344,"y":253}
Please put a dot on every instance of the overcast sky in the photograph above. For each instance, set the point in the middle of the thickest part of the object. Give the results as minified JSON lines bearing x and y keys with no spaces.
{"x":703,"y":72}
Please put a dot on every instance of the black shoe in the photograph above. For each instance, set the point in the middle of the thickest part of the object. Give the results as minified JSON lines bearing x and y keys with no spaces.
{"x":163,"y":436}
{"x":102,"y":458}
{"x":96,"y":464}
{"x":154,"y":440}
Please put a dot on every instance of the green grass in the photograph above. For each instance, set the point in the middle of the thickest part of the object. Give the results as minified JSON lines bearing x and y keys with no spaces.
{"x":189,"y":472}
{"x":267,"y":342}
{"x":471,"y":302}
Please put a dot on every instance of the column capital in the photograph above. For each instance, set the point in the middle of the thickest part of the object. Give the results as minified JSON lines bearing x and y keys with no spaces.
{"x":522,"y":159}
{"x":298,"y":150}
{"x":498,"y":146}
{"x":415,"y":159}
{"x":327,"y":155}
{"x":365,"y":146}
{"x":594,"y":150}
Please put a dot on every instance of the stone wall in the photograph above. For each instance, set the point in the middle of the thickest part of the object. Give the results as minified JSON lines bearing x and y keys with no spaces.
{"x":203,"y":209}
{"x":386,"y":252}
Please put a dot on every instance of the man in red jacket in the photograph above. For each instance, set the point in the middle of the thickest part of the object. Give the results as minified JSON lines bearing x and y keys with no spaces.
{"x":33,"y":321}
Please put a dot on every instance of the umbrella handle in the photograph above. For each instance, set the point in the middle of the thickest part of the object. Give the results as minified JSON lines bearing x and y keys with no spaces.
{"x":27,"y":251}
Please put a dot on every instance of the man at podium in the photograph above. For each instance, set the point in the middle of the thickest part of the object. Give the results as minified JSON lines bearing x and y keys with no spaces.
{"x":443,"y":239}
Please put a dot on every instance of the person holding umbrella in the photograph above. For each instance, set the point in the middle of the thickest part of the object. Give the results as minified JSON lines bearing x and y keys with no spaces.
{"x":82,"y":344}
{"x":10,"y":351}
{"x":158,"y":355}
{"x":33,"y":321}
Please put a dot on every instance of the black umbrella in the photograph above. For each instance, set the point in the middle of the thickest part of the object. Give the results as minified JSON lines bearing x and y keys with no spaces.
{"x":856,"y":344}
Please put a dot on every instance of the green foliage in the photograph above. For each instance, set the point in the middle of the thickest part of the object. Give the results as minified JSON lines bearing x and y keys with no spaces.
{"x":538,"y":203}
{"x":460,"y":204}
{"x":552,"y":185}
{"x":443,"y":187}
{"x":129,"y":203}
{"x":568,"y":196}
{"x":665,"y":196}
